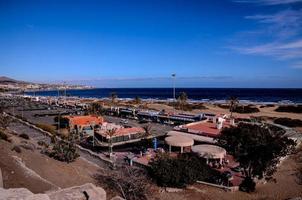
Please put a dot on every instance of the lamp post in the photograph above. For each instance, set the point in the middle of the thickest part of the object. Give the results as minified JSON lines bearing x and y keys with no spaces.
{"x":174,"y":76}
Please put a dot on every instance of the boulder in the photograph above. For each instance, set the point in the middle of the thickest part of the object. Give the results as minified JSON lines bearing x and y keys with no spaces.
{"x":83,"y":192}
{"x":21,"y":194}
{"x":117,"y":198}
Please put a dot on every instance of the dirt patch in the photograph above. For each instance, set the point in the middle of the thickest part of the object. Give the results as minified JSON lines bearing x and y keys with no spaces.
{"x":39,"y":173}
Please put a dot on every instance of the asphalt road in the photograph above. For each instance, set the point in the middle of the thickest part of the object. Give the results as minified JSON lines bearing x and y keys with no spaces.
{"x":156,"y":128}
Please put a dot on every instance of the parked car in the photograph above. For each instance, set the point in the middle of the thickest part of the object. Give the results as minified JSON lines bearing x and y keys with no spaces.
{"x":227,"y":174}
{"x":124,"y":121}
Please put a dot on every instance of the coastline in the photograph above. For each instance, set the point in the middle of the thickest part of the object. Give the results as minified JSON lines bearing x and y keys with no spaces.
{"x":195,"y":95}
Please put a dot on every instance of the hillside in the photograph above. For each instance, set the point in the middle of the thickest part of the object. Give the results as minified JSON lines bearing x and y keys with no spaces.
{"x":7,"y":80}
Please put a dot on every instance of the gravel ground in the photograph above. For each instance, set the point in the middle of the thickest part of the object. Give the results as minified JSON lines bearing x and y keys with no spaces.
{"x":32,"y":133}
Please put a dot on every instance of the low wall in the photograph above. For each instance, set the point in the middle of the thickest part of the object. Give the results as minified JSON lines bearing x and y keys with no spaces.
{"x":232,"y":189}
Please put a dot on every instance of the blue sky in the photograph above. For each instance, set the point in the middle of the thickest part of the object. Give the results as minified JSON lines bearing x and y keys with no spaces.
{"x":140,"y":43}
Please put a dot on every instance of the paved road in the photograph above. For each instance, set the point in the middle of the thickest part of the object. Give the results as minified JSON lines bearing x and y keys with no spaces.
{"x":156,"y":128}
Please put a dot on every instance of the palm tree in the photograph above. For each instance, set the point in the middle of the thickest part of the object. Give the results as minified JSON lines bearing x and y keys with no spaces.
{"x":183,"y":97}
{"x":110,"y":133}
{"x":146,"y":141}
{"x":113,"y":97}
{"x":147,"y":128}
{"x":233,"y":102}
{"x":137,"y":100}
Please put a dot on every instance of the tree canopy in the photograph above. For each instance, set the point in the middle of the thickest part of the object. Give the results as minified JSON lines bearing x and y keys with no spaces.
{"x":96,"y":108}
{"x":178,"y":172}
{"x":257,"y":148}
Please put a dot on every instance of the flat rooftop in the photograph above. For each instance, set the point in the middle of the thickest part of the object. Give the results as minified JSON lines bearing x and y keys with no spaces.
{"x":205,"y":128}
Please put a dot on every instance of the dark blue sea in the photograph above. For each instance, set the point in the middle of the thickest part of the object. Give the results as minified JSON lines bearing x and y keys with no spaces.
{"x":194,"y":94}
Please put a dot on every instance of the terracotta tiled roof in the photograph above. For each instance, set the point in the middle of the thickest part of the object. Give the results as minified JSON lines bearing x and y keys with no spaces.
{"x":127,"y":131}
{"x":123,"y":131}
{"x":85,"y":120}
{"x":206,"y":128}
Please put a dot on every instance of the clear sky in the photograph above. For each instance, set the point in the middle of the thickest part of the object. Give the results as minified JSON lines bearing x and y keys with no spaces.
{"x":140,"y":43}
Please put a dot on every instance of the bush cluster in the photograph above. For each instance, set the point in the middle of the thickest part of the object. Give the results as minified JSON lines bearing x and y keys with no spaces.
{"x":181,"y":171}
{"x":240,"y":108}
{"x":246,"y":109}
{"x":48,"y":128}
{"x":3,"y":136}
{"x":17,"y":149}
{"x":24,"y":136}
{"x":63,"y":151}
{"x":288,"y":122}
{"x":290,"y":109}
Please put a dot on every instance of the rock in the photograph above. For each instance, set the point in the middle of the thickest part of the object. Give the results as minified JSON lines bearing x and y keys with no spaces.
{"x":83,"y":192}
{"x":79,"y":193}
{"x":117,"y":198}
{"x":168,"y":189}
{"x":21,"y":193}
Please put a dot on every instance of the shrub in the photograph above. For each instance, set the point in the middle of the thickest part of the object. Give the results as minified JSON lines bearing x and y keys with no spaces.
{"x":247,"y":185}
{"x":28,"y":146}
{"x":179,"y":172}
{"x":63,"y":151}
{"x":198,"y":106}
{"x":223,"y":106}
{"x":299,"y":176}
{"x":130,"y":182}
{"x":42,"y":143}
{"x":267,"y":106}
{"x":290,"y":109}
{"x":3,"y":136}
{"x":246,"y":109}
{"x":24,"y":136}
{"x":48,"y":128}
{"x":288,"y":122}
{"x":17,"y":149}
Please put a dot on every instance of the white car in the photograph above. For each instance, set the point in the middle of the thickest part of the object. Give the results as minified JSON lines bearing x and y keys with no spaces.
{"x":124,"y":121}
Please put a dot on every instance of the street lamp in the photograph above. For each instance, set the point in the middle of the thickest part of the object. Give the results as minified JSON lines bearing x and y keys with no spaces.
{"x":174,"y":76}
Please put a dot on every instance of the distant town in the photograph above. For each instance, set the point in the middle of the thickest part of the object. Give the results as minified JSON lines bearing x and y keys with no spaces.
{"x":9,"y":84}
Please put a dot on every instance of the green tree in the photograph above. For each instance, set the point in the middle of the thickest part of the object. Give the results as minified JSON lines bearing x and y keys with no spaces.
{"x":96,"y":108}
{"x":257,"y":148}
{"x":186,"y":169}
{"x":233,"y":103}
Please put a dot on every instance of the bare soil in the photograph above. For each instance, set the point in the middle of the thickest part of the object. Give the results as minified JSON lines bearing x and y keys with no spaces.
{"x":40,"y":173}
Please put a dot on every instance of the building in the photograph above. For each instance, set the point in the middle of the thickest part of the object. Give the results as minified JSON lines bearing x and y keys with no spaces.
{"x":84,"y":124}
{"x":203,"y":131}
{"x":121,"y":134}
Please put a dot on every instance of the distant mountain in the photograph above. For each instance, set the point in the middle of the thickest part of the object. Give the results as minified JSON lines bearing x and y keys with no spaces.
{"x":4,"y":79}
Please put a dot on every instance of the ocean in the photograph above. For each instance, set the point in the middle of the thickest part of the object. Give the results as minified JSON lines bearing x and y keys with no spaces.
{"x":194,"y":94}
